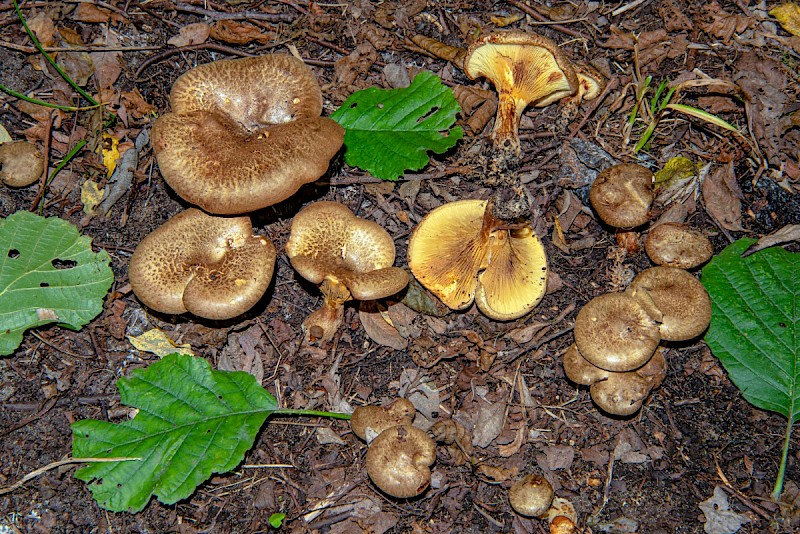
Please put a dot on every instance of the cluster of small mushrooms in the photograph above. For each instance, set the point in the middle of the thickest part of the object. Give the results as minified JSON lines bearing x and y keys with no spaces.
{"x":617,"y":350}
{"x":400,"y":455}
{"x":230,"y":152}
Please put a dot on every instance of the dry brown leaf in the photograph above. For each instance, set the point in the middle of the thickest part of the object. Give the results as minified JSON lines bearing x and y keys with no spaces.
{"x":378,"y":328}
{"x":107,"y":65}
{"x":510,"y":449}
{"x":722,"y":197}
{"x":136,"y":105}
{"x":674,"y":19}
{"x":235,"y":32}
{"x":492,"y":474}
{"x":77,"y":65}
{"x":526,"y":333}
{"x":243,"y":352}
{"x":191,"y":34}
{"x":723,"y":24}
{"x":489,"y":423}
{"x":43,"y":27}
{"x":555,"y":457}
{"x":87,"y":12}
{"x":790,"y":232}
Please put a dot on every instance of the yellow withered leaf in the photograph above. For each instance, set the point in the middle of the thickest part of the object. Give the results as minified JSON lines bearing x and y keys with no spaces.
{"x":788,"y":15}
{"x":157,"y":342}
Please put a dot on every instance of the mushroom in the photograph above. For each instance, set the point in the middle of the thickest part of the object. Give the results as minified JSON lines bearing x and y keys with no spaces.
{"x":378,"y":418}
{"x":562,"y":517}
{"x":531,"y":496}
{"x":212,"y":267}
{"x":398,"y":461}
{"x":614,"y":332}
{"x":526,"y":69}
{"x":244,"y":133}
{"x":349,"y":258}
{"x":461,"y":253}
{"x":21,"y":163}
{"x":620,"y":393}
{"x":681,"y":300}
{"x":655,"y":370}
{"x":579,"y":370}
{"x":676,"y":245}
{"x":622,"y":195}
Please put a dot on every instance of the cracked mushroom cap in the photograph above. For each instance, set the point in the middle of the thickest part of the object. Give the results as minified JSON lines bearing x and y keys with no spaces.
{"x":683,"y":302}
{"x":399,"y":459}
{"x":461,"y":253}
{"x":526,"y":69}
{"x":622,"y":195}
{"x":328,"y":242}
{"x":620,"y":393}
{"x":614,"y":332}
{"x":531,"y":496}
{"x":21,"y":163}
{"x":676,"y":245}
{"x":379,"y":418}
{"x":244,"y":133}
{"x":212,"y":267}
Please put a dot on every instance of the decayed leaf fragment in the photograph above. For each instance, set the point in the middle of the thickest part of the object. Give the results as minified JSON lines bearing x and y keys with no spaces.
{"x":788,"y":15}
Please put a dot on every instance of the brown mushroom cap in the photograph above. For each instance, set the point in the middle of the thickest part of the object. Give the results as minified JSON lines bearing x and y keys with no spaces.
{"x":379,"y":418}
{"x":244,"y":133}
{"x":614,"y":332}
{"x":213,"y":267}
{"x":620,"y":393}
{"x":680,"y":297}
{"x":525,"y":69}
{"x":349,"y":257}
{"x":676,"y":245}
{"x":398,"y":461}
{"x":461,"y":253}
{"x":655,"y":370}
{"x":21,"y":163}
{"x":579,"y":369}
{"x":622,"y":195}
{"x":327,"y":240}
{"x":531,"y":496}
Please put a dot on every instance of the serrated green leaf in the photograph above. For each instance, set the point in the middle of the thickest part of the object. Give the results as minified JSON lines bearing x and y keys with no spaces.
{"x":755,"y":314}
{"x":389,"y":131}
{"x":754,"y":329}
{"x":48,"y":273}
{"x":192,"y":422}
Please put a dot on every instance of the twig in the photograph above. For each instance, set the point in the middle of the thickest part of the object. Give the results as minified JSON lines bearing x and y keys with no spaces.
{"x":89,"y":48}
{"x":161,"y":56}
{"x":46,"y":164}
{"x":33,"y":474}
{"x":627,"y":7}
{"x":612,"y":84}
{"x":241,"y":15}
{"x":538,"y":16}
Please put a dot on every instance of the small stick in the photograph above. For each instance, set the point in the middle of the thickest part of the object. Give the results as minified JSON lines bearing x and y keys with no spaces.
{"x":538,"y":16}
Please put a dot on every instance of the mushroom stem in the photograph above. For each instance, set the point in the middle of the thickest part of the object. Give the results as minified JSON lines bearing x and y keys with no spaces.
{"x":323,"y":323}
{"x":506,"y":126}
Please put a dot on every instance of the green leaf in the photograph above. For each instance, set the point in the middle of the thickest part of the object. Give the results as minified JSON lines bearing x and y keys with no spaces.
{"x":389,"y":131}
{"x":48,"y":273}
{"x":192,"y":422}
{"x":754,"y":327}
{"x":276,"y":519}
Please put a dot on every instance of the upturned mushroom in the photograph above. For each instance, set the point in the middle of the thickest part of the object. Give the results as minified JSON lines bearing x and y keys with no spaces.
{"x":615,"y":332}
{"x":462,"y":253}
{"x":212,"y":267}
{"x":21,"y":163}
{"x":349,"y":258}
{"x":675,"y":245}
{"x":526,"y":69}
{"x":682,"y":303}
{"x":244,"y":133}
{"x":379,"y":418}
{"x":531,"y":496}
{"x":399,"y":460}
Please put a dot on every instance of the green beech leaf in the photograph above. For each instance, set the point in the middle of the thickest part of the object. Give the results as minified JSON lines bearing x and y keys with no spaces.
{"x":389,"y":131}
{"x":754,"y":327}
{"x":48,"y":273}
{"x":192,"y":422}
